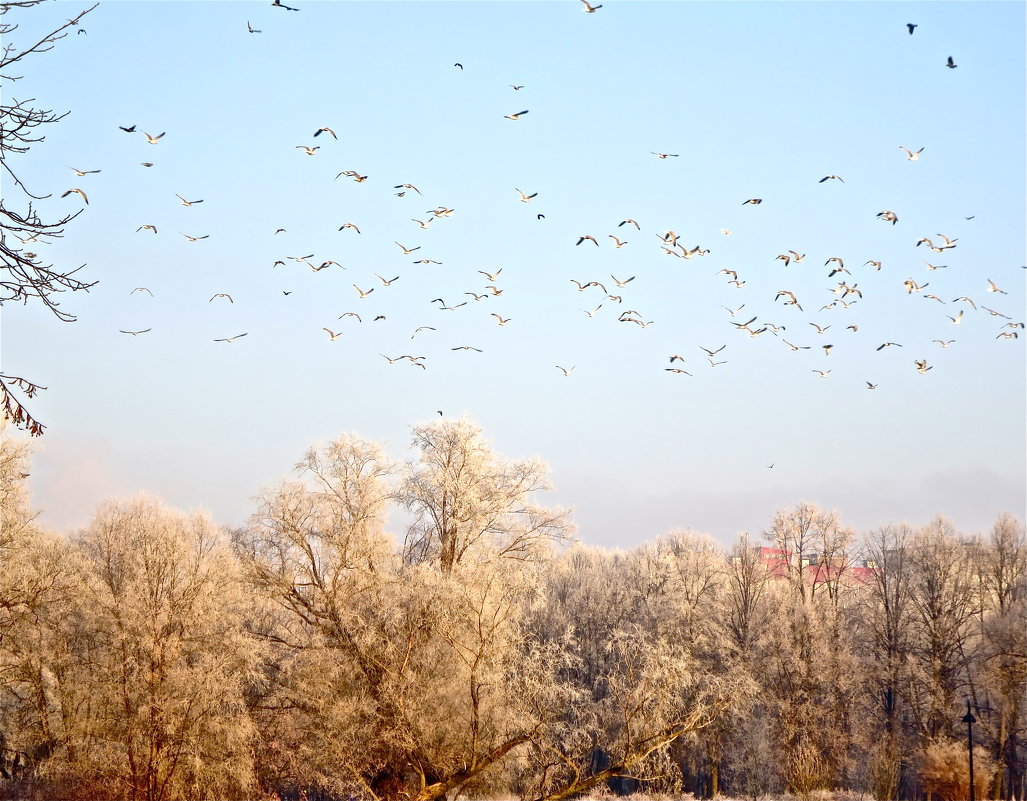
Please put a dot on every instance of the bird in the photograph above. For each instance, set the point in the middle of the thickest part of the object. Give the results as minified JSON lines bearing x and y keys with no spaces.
{"x":519,"y":114}
{"x":994,"y":313}
{"x":422,"y":223}
{"x":582,"y":287}
{"x":147,"y":228}
{"x":935,"y":266}
{"x":153,"y":139}
{"x":492,"y":276}
{"x":467,"y":347}
{"x":884,"y":345}
{"x":494,"y":289}
{"x":195,"y":238}
{"x":231,"y":339}
{"x":733,"y":312}
{"x":829,"y":177}
{"x":187,"y":202}
{"x":921,"y":366}
{"x":349,"y":225}
{"x":676,"y":370}
{"x":565,"y":370}
{"x":592,"y":313}
{"x":791,"y":298}
{"x":820,"y":330}
{"x":589,"y":9}
{"x":356,"y":176}
{"x":912,"y":155}
{"x":753,"y":201}
{"x":715,"y":364}
{"x":822,"y":373}
{"x":587,"y":236}
{"x":712,"y":353}
{"x":427,"y":261}
{"x":135,"y":333}
{"x":325,"y":129}
{"x":386,"y":281}
{"x":888,"y":216}
{"x":627,"y":221}
{"x":525,"y":198}
{"x":146,"y":163}
{"x":250,"y":28}
{"x":361,"y":292}
{"x":795,"y":347}
{"x":407,"y":186}
{"x":725,"y":231}
{"x":81,"y":173}
{"x":222,"y":295}
{"x":729,"y":271}
{"x":1008,"y":335}
{"x":130,"y":129}
{"x":141,"y":289}
{"x":516,"y":87}
{"x":351,"y":314}
{"x":910,"y":26}
{"x":951,"y":64}
{"x":957,"y":319}
{"x":458,"y":64}
{"x":80,"y":192}
{"x":871,"y":386}
{"x":406,"y":251}
{"x":279,"y":231}
{"x":783,"y":257}
{"x":501,"y":320}
{"x":421,"y":328}
{"x":280,"y":4}
{"x":912,"y":286}
{"x":664,"y":155}
{"x":993,"y":288}
{"x":331,"y":334}
{"x":310,"y":151}
{"x":944,"y":342}
{"x":876,"y":264}
{"x":676,"y":358}
{"x":965,"y":298}
{"x":619,"y":282}
{"x":476,"y":296}
{"x":797,"y":257}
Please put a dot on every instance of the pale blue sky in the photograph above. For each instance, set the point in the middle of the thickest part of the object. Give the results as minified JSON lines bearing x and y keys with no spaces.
{"x":757,"y":99}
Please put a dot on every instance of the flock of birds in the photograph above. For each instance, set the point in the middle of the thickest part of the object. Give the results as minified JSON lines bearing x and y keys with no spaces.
{"x":615,"y":293}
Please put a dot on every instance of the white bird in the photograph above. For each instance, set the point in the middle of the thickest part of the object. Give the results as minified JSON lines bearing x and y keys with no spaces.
{"x":407,"y":251}
{"x":349,"y":225}
{"x":957,"y":319}
{"x":78,"y":191}
{"x":566,"y":370}
{"x":993,"y":288}
{"x":501,"y":320}
{"x":140,"y":289}
{"x":525,"y":198}
{"x":629,"y":220}
{"x":664,"y":155}
{"x":592,"y":313}
{"x":331,"y":334}
{"x":81,"y":173}
{"x":822,"y":373}
{"x":231,"y":339}
{"x":386,"y":281}
{"x":323,"y":129}
{"x":589,"y":9}
{"x":152,"y":139}
{"x":310,"y":151}
{"x":910,"y":155}
{"x":147,"y":228}
{"x":361,"y":292}
{"x":492,"y":276}
{"x":195,"y":238}
{"x":187,"y":202}
{"x":625,"y":282}
{"x":519,"y":114}
{"x":617,"y":242}
{"x":921,"y":366}
{"x":135,"y":333}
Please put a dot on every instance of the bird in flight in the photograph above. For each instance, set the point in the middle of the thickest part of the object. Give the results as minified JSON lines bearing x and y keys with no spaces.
{"x":921,"y":366}
{"x":349,"y":225}
{"x":492,"y":276}
{"x":820,"y":329}
{"x":250,"y":28}
{"x":467,"y":347}
{"x":516,"y":87}
{"x":993,"y":288}
{"x":135,"y":333}
{"x":324,"y":129}
{"x":589,"y":9}
{"x":153,"y":139}
{"x":951,"y":64}
{"x":231,"y":339}
{"x":525,"y":198}
{"x":910,"y":26}
{"x":195,"y":238}
{"x":566,"y":370}
{"x":912,"y":155}
{"x":519,"y":114}
{"x":884,"y":345}
{"x":957,"y":319}
{"x":406,"y":251}
{"x":421,"y":328}
{"x":888,"y":216}
{"x":871,"y":386}
{"x":619,"y":282}
{"x":664,"y":155}
{"x":140,"y":289}
{"x":280,"y":4}
{"x":407,"y":186}
{"x":386,"y":281}
{"x":331,"y":334}
{"x":584,"y":237}
{"x":187,"y":202}
{"x":458,"y":64}
{"x":130,"y":129}
{"x":363,"y":293}
{"x":310,"y":151}
{"x":944,"y":342}
{"x":423,"y":223}
{"x":828,"y":177}
{"x":222,"y":295}
{"x":629,"y":220}
{"x":795,"y":347}
{"x":618,"y":243}
{"x":676,"y":370}
{"x":753,"y":201}
{"x":501,"y":320}
{"x":81,"y":173}
{"x":80,"y":192}
{"x":822,"y":373}
{"x":147,"y":228}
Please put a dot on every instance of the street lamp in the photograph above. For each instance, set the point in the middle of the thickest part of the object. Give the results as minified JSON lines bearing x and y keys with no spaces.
{"x":969,"y":720}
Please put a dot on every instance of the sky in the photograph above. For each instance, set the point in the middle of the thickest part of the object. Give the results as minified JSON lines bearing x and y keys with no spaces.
{"x":755,"y":100}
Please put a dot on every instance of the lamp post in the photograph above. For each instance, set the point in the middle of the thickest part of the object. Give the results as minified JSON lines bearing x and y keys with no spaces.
{"x":969,"y":720}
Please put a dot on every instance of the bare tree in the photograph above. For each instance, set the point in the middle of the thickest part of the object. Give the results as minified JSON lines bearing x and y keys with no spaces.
{"x":26,"y":274}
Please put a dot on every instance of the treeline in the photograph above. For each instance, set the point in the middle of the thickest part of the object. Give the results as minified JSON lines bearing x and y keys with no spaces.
{"x":310,"y":654}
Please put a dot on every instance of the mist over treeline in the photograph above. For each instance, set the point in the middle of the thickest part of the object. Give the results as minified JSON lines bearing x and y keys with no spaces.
{"x":485,"y":652}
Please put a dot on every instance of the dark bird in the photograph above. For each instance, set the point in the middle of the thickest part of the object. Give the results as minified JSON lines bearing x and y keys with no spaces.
{"x":280,"y":4}
{"x":458,"y":64}
{"x":754,"y":201}
{"x":250,"y":28}
{"x":951,"y":64}
{"x":910,"y":26}
{"x":130,"y":129}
